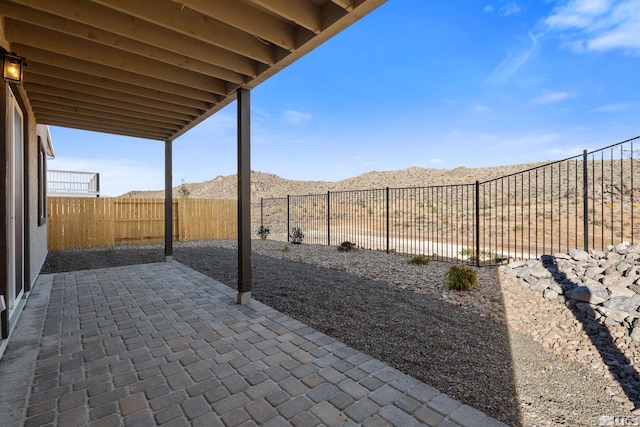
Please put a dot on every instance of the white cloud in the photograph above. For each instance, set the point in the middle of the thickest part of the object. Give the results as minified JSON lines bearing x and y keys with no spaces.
{"x":514,"y":60}
{"x":481,"y":108}
{"x":294,"y":117}
{"x":548,"y":97}
{"x":510,"y":9}
{"x":528,"y":139}
{"x":362,"y":161}
{"x":436,"y":161}
{"x":608,"y":108}
{"x":562,"y":152}
{"x":578,"y":13}
{"x":598,"y":25}
{"x":506,"y":140}
{"x":488,"y":8}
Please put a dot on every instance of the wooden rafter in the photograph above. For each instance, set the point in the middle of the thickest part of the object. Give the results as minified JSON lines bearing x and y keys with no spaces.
{"x":156,"y":68}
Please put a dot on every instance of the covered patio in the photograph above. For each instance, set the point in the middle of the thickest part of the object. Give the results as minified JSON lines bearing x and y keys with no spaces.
{"x":162,"y":344}
{"x":155,"y":69}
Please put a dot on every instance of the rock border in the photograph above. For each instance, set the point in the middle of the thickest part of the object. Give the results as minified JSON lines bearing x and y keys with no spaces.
{"x":603,"y":285}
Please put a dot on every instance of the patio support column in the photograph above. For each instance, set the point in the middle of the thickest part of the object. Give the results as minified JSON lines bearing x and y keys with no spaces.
{"x":244,"y":197}
{"x":168,"y":201}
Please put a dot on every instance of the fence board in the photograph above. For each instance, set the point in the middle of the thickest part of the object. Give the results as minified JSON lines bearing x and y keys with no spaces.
{"x":93,"y":222}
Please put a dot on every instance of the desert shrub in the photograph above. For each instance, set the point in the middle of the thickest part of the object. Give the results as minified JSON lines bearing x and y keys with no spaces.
{"x":183,"y":191}
{"x":461,"y":277}
{"x":263,"y":232}
{"x":296,"y":235}
{"x":419,"y":260}
{"x":285,"y":248}
{"x":346,"y":246}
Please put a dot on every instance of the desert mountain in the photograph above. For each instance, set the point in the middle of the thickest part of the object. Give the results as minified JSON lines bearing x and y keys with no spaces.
{"x":267,"y":185}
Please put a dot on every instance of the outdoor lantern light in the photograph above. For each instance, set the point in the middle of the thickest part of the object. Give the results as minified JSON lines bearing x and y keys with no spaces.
{"x":12,"y":67}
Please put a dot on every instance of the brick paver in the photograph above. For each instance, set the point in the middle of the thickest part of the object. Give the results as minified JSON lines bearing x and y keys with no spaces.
{"x":161,"y":344}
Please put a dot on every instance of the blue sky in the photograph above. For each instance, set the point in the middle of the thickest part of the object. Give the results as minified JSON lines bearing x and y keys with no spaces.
{"x":430,"y":83}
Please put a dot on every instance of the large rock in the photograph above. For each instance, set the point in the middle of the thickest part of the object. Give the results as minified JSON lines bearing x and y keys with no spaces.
{"x":623,"y":303}
{"x":541,"y":273}
{"x":523,"y":272}
{"x":622,"y":249}
{"x":550,"y":294}
{"x":592,"y":272}
{"x":634,"y":248}
{"x":617,"y":315}
{"x":614,"y":256}
{"x":623,"y":267}
{"x":591,"y":294}
{"x":579,"y":255}
{"x":621,"y":291}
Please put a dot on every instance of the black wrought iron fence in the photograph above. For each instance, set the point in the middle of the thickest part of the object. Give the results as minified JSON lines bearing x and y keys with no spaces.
{"x":586,"y":202}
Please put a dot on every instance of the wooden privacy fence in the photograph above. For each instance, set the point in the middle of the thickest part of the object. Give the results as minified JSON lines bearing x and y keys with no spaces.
{"x":93,"y":222}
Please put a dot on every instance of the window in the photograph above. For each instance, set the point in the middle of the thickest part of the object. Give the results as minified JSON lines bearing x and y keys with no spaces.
{"x":42,"y":183}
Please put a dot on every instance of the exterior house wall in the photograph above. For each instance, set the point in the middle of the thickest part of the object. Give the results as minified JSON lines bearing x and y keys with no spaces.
{"x":35,"y":231}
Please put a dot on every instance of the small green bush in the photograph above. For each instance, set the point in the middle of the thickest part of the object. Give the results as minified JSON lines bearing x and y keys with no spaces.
{"x":419,"y":260}
{"x":461,"y":277}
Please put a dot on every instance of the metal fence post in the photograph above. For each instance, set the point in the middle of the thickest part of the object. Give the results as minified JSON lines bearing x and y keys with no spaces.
{"x":585,"y":198}
{"x":261,"y":213}
{"x":477,"y":221}
{"x":328,"y":218}
{"x":387,"y":219}
{"x":288,"y":217}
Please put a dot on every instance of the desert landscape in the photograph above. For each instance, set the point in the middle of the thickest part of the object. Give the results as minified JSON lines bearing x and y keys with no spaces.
{"x":521,"y":211}
{"x":267,"y":185}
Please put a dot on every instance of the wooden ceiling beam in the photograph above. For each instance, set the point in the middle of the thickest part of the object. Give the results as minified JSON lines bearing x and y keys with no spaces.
{"x":175,"y":17}
{"x":345,"y":4}
{"x":72,"y":122}
{"x":156,"y":68}
{"x":36,"y":68}
{"x":305,"y":13}
{"x":71,"y":104}
{"x":116,"y":105}
{"x":84,"y":31}
{"x":131,"y":98}
{"x":149,"y":129}
{"x":248,"y":19}
{"x":141,"y":127}
{"x":121,"y":24}
{"x":69,"y":63}
{"x":83,"y":49}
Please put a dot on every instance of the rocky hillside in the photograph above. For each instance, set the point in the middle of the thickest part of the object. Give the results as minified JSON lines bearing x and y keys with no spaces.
{"x":268,"y":185}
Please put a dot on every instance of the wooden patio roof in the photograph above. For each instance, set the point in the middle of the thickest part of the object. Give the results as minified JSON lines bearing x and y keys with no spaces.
{"x":156,"y":68}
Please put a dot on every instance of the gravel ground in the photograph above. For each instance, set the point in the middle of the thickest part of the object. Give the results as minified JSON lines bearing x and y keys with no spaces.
{"x":478,"y":346}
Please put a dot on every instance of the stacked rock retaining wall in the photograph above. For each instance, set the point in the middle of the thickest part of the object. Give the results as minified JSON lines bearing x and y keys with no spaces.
{"x":602,"y":285}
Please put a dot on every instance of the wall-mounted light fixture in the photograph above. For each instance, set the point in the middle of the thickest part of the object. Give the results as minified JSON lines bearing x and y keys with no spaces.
{"x":13,"y":67}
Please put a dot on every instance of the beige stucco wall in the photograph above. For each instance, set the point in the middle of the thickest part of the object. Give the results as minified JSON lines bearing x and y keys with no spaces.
{"x":37,"y":233}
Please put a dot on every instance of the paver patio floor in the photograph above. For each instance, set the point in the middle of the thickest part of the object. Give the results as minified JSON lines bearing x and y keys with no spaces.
{"x":161,"y":344}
